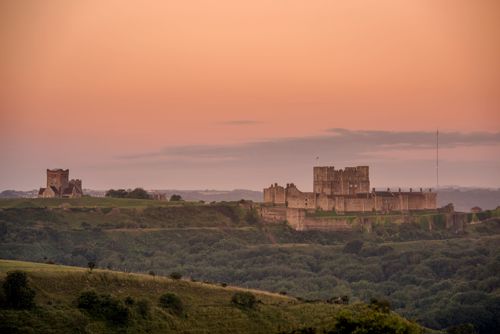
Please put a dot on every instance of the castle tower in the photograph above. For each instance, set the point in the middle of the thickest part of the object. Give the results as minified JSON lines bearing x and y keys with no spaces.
{"x":323,"y":180}
{"x":348,"y":181}
{"x":58,"y":178}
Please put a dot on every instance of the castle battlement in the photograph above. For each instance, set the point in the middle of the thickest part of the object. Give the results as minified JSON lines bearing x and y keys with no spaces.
{"x":348,"y":190}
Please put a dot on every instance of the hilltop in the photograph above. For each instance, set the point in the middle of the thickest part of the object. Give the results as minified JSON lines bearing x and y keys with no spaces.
{"x":207,"y":308}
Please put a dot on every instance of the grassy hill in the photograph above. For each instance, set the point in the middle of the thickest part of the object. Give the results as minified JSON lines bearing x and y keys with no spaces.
{"x":437,"y":278}
{"x":207,"y":307}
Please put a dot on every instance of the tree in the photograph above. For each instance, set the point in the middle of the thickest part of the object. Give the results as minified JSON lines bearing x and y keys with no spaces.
{"x":244,"y":300}
{"x":353,"y":246}
{"x":18,"y":294}
{"x":139,"y":193}
{"x":143,"y":307}
{"x":103,"y":306}
{"x":175,"y":275}
{"x":175,"y":198}
{"x":379,"y":304}
{"x":91,"y":265}
{"x":172,"y":302}
{"x":461,"y":329}
{"x":120,"y":193}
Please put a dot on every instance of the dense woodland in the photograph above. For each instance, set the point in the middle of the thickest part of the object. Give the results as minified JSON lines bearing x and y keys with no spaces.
{"x":439,"y":278}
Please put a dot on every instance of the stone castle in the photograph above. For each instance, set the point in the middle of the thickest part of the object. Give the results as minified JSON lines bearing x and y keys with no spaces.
{"x":59,"y":185}
{"x":347,"y":190}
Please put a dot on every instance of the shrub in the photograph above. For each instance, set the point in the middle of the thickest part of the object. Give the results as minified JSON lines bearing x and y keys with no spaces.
{"x":17,"y":293}
{"x":143,"y":307}
{"x":103,"y":306}
{"x":152,"y":273}
{"x":91,"y":265}
{"x":461,"y":329}
{"x":175,"y":198}
{"x":172,"y":302}
{"x":353,"y":246}
{"x":129,"y":300}
{"x":382,"y":305}
{"x":223,"y":285}
{"x":175,"y":275}
{"x":244,"y":300}
{"x":251,"y":217}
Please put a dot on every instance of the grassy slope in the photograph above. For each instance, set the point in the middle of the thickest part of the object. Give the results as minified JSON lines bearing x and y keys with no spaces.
{"x":208,"y":307}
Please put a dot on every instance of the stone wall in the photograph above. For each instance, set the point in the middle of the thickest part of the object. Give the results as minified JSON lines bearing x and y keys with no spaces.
{"x":305,"y":220}
{"x":347,"y":190}
{"x":58,"y":178}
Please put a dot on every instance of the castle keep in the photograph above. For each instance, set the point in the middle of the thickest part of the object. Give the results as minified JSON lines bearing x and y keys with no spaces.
{"x":347,"y":190}
{"x":59,"y":185}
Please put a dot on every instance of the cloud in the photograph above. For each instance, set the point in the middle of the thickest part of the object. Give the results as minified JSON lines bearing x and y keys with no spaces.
{"x":241,"y":122}
{"x":337,"y":146}
{"x":396,"y":158}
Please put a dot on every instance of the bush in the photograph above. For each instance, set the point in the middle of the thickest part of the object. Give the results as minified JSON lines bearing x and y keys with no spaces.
{"x":175,"y":275}
{"x":175,"y":198}
{"x":353,"y":246}
{"x":103,"y":306}
{"x":461,"y":329}
{"x":129,"y":300}
{"x":152,"y":273}
{"x":172,"y":302}
{"x":91,"y":265}
{"x":244,"y":300}
{"x":143,"y":307}
{"x":381,"y":305}
{"x":251,"y":217}
{"x":17,"y":293}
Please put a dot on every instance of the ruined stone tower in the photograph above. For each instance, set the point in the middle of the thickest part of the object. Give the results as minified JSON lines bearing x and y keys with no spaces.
{"x":59,"y":185}
{"x":58,"y":178}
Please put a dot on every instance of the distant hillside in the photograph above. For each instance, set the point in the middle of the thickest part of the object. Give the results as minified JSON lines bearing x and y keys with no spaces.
{"x":133,"y":306}
{"x":432,"y":277}
{"x":466,"y":198}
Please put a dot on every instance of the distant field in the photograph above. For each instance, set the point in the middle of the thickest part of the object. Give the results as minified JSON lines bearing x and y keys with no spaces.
{"x":100,"y":202}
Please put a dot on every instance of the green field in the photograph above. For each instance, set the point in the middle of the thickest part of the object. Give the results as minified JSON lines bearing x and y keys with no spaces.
{"x":208,"y":308}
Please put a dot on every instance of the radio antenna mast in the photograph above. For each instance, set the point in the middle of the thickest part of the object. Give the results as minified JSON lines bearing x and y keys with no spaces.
{"x":437,"y":159}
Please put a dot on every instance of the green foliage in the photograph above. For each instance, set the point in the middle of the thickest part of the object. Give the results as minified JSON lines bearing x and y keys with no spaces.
{"x":16,"y":292}
{"x":91,"y":265}
{"x":119,"y":193}
{"x":175,"y":275}
{"x":251,"y":217}
{"x":137,"y":193}
{"x":347,"y":322}
{"x":380,"y":304}
{"x":103,"y":306}
{"x":172,"y":302}
{"x":143,"y":307}
{"x":461,"y":329}
{"x":353,"y":246}
{"x":244,"y":300}
{"x":175,"y":198}
{"x":439,"y":277}
{"x":129,"y":301}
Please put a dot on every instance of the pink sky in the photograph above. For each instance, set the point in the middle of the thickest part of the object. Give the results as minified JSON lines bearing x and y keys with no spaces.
{"x":84,"y":83}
